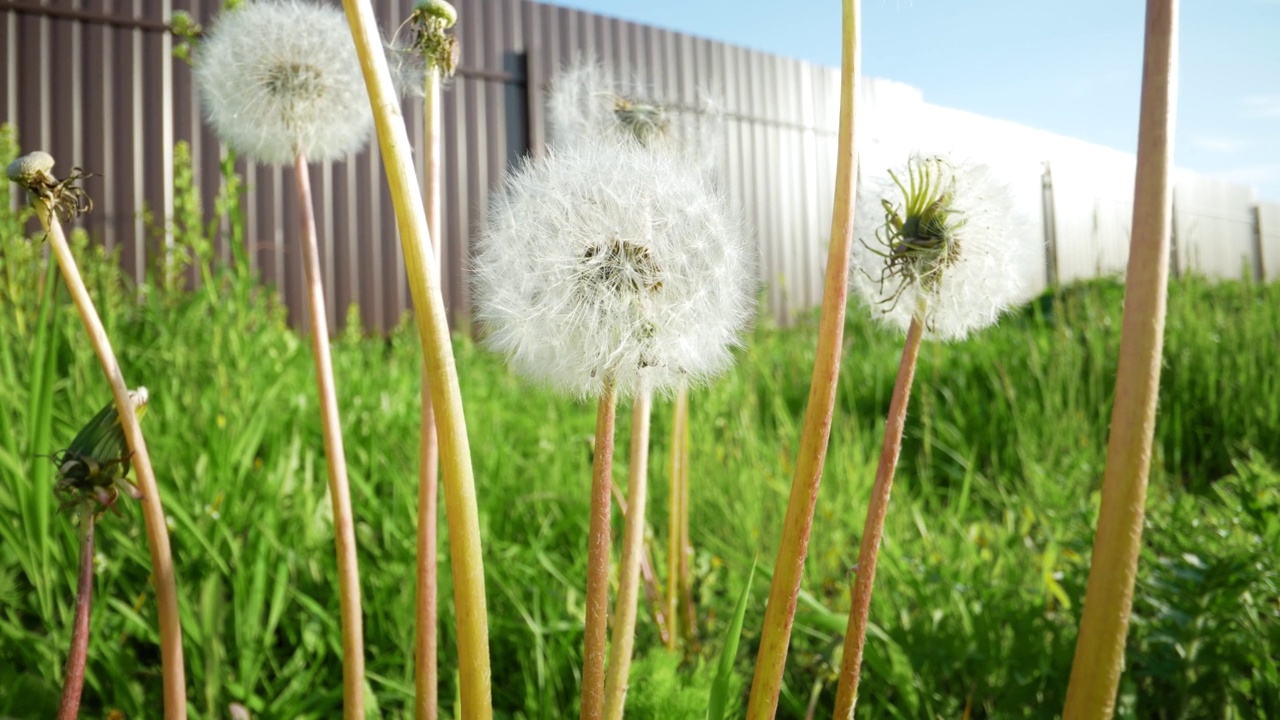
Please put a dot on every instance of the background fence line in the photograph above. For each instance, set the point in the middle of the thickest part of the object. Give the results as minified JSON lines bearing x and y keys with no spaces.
{"x":94,"y":83}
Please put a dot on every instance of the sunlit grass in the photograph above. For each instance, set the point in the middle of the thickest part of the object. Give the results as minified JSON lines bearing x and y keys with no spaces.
{"x":985,"y":551}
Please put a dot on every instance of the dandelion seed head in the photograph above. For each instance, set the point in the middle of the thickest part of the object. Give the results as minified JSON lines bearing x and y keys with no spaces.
{"x":606,"y":259}
{"x":941,"y":231}
{"x":584,"y":102}
{"x":281,"y":77}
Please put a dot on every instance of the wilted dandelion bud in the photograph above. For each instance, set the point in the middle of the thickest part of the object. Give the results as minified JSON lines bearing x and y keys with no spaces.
{"x":607,"y":261}
{"x":281,"y":77}
{"x":941,"y":238}
{"x":584,"y":102}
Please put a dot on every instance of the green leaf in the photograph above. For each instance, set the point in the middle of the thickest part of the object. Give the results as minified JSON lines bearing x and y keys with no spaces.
{"x":719,"y":699}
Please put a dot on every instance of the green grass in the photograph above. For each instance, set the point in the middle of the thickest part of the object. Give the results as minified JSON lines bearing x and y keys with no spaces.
{"x":981,"y":577}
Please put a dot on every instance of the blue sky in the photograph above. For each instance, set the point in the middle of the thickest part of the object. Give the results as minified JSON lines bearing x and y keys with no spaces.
{"x":1073,"y":68}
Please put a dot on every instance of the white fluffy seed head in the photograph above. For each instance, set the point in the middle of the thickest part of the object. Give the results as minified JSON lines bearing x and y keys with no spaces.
{"x":584,"y":102}
{"x":605,"y":259}
{"x":279,"y":77}
{"x":944,"y":232}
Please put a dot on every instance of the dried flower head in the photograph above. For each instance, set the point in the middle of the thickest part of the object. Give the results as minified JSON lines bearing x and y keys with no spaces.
{"x":34,"y":172}
{"x":584,"y":102}
{"x":607,"y":260}
{"x":942,"y":236}
{"x":281,"y":77}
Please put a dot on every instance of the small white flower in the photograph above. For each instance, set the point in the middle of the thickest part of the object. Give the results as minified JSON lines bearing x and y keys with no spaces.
{"x":281,"y":77}
{"x":944,"y":233}
{"x":583,"y":102}
{"x":606,"y":259}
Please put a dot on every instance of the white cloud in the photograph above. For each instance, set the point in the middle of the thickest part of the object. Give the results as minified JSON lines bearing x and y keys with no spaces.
{"x":1262,"y":106}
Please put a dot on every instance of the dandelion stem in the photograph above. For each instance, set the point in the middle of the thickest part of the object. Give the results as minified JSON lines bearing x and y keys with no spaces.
{"x":344,"y":534}
{"x":598,"y":546}
{"x":461,"y":512}
{"x":173,"y":674}
{"x":628,"y":600}
{"x":775,"y":634}
{"x":689,"y":613}
{"x":73,"y":678}
{"x":856,"y":635}
{"x":675,"y":545}
{"x":1099,"y":658}
{"x":426,"y":677}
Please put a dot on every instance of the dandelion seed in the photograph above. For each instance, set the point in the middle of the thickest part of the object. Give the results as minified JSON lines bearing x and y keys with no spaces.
{"x":606,"y":259}
{"x":279,"y":78}
{"x":943,"y":236}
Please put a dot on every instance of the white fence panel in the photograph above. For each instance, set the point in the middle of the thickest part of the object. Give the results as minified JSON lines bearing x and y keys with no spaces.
{"x":1093,"y":212}
{"x":1269,"y":234}
{"x":1213,"y":227}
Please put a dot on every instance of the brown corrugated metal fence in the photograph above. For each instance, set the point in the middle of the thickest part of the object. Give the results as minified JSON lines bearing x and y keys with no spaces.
{"x":94,"y":83}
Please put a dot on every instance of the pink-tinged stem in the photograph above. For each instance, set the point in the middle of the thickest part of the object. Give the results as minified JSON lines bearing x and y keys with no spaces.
{"x":624,"y":612}
{"x":1099,"y":658}
{"x":427,"y":646}
{"x":856,"y":635}
{"x":173,"y":673}
{"x":598,"y":544}
{"x":775,"y":635}
{"x":344,"y":534}
{"x":73,"y":680}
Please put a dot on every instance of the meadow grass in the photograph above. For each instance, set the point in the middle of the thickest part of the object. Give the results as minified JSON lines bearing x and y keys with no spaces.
{"x":986,"y":543}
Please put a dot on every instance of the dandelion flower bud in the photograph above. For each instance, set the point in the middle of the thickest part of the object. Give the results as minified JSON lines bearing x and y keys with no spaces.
{"x":942,"y":236}
{"x":281,"y":77}
{"x":605,"y":260}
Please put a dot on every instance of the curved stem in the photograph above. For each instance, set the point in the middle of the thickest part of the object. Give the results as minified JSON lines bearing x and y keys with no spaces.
{"x":775,"y":634}
{"x":73,"y":678}
{"x":624,"y":611}
{"x":344,"y":534}
{"x":598,"y":544}
{"x":856,"y":635}
{"x":173,"y":674}
{"x":461,"y":512}
{"x":1099,"y":658}
{"x":427,"y":647}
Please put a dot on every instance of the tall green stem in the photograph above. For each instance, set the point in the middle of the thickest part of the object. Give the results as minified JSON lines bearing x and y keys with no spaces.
{"x":598,"y":544}
{"x":856,"y":635}
{"x":1099,"y":658}
{"x":461,"y":511}
{"x":775,"y":635}
{"x":344,"y":533}
{"x":624,"y":611}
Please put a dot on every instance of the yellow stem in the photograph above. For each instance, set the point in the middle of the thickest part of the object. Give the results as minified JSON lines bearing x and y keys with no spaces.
{"x":775,"y":634}
{"x":856,"y":634}
{"x":426,"y":651}
{"x":675,"y":545}
{"x":173,"y":674}
{"x":624,"y":611}
{"x":598,"y":546}
{"x":344,"y":533}
{"x":688,"y":612}
{"x":433,"y":331}
{"x":1099,"y":658}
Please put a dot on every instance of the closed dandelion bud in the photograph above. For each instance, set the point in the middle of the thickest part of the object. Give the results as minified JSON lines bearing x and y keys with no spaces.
{"x":606,"y":261}
{"x":941,"y":239}
{"x":281,"y":77}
